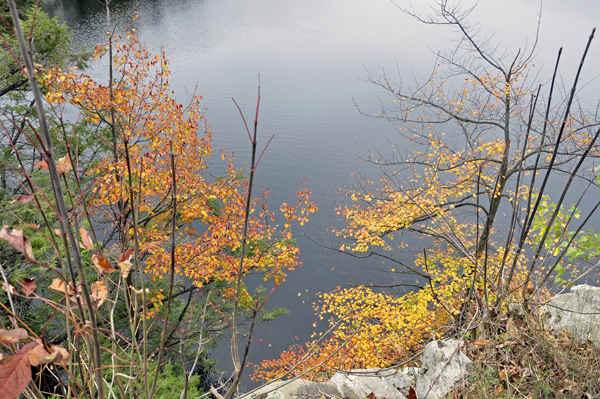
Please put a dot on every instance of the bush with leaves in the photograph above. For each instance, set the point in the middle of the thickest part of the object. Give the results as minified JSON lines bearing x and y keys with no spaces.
{"x":478,"y":145}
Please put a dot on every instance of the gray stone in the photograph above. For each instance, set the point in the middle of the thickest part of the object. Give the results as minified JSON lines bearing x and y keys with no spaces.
{"x":443,"y":365}
{"x":297,"y":389}
{"x":577,"y":312}
{"x":388,"y":384}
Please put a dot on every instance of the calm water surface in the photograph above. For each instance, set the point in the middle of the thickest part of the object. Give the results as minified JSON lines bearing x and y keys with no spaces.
{"x":314,"y":58}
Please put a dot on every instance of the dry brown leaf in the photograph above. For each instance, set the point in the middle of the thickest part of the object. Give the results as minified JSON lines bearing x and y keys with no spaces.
{"x":86,"y":239}
{"x":13,"y":336}
{"x":10,"y":287}
{"x":59,"y":285}
{"x":62,"y":355}
{"x":99,"y":292}
{"x":102,"y":264}
{"x":36,"y":353}
{"x":125,"y":268}
{"x":139,"y":292}
{"x":512,"y":329}
{"x":16,"y":240}
{"x":64,"y":165}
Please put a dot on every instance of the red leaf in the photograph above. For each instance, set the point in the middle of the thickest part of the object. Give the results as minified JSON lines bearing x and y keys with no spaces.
{"x":28,"y":286}
{"x":42,"y":164}
{"x":371,"y":396}
{"x":16,"y":240}
{"x":15,"y":374}
{"x":125,"y":255}
{"x":86,"y":239}
{"x":22,"y":198}
{"x":412,"y":394}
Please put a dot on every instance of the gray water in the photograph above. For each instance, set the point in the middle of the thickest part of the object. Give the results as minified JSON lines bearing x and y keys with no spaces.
{"x":314,"y":58}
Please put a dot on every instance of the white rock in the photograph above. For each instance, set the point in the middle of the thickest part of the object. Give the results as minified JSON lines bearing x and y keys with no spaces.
{"x":443,"y":366}
{"x":388,"y":384}
{"x":577,"y":313}
{"x":297,"y":389}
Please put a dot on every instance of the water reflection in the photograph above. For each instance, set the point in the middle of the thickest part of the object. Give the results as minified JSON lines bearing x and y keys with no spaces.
{"x":314,"y":57}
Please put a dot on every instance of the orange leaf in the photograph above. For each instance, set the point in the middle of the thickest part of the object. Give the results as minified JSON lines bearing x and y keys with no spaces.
{"x":86,"y":239}
{"x":99,"y":292}
{"x":59,"y":285}
{"x":102,"y":264}
{"x":42,"y":164}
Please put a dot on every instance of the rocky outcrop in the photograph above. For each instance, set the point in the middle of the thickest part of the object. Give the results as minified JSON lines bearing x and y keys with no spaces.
{"x":443,"y":363}
{"x":358,"y":384}
{"x":443,"y":366}
{"x":577,"y":312}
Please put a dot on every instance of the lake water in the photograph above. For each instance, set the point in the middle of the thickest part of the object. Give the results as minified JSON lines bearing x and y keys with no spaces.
{"x":314,"y":58}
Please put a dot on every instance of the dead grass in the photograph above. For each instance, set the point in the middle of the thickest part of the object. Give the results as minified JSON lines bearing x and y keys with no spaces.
{"x":524,"y":360}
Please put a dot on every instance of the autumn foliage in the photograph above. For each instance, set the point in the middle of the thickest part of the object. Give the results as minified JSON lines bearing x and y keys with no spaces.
{"x":477,"y":150}
{"x":146,"y":211}
{"x":148,"y":121}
